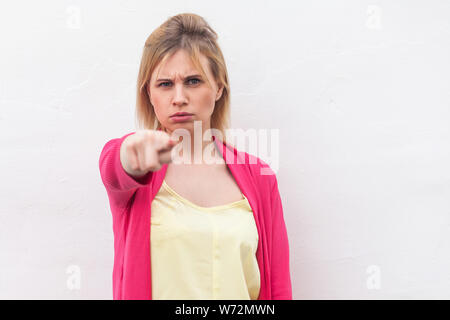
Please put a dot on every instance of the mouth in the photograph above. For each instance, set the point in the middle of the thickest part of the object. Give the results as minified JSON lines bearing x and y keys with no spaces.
{"x":181,"y":117}
{"x":178,"y":114}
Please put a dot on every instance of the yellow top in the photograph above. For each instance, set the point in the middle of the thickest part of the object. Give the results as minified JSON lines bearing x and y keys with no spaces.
{"x":202,"y":253}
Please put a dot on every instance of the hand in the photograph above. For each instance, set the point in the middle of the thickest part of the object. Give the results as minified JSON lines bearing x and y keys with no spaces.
{"x":146,"y":150}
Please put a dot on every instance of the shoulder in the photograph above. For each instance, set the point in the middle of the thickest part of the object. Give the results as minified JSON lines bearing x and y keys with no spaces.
{"x":261,"y":172}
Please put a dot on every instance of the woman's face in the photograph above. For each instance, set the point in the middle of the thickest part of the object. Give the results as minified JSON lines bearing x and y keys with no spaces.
{"x":178,"y":87}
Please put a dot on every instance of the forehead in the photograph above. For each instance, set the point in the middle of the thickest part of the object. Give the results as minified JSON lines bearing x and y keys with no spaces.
{"x":180,"y":64}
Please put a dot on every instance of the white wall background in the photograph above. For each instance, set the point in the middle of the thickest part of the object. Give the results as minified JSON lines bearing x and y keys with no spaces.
{"x":360,"y":91}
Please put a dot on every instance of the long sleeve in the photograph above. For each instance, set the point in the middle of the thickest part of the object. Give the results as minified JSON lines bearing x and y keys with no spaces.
{"x":280,"y":271}
{"x":119,"y":185}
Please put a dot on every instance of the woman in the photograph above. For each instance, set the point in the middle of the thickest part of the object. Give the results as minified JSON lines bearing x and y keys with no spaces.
{"x":193,"y":229}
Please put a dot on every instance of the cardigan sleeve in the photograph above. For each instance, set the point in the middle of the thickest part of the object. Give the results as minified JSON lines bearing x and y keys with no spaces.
{"x":281,"y":288}
{"x":120,"y":186}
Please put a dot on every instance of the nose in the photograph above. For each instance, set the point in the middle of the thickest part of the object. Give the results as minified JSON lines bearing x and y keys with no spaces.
{"x":179,"y":95}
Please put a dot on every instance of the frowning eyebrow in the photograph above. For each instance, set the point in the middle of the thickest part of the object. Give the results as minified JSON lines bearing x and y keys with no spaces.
{"x":187,"y":77}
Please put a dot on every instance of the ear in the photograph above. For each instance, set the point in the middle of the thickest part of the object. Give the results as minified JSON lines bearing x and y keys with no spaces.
{"x":219,"y":93}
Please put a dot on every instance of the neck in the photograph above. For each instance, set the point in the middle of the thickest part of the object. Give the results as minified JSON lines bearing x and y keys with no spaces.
{"x":197,"y":149}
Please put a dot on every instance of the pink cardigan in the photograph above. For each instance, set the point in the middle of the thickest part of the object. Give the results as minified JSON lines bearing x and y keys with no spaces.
{"x":130,"y":202}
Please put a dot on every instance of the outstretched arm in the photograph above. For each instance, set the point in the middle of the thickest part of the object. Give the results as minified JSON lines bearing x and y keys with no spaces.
{"x":119,"y":185}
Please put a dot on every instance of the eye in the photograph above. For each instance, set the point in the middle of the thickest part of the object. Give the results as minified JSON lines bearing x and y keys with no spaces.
{"x":196,"y":80}
{"x":162,"y":83}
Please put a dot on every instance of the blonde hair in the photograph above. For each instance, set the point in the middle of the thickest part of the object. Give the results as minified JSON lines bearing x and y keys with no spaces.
{"x":192,"y":33}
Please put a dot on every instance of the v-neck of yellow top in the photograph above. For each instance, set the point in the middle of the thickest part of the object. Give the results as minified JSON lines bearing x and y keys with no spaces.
{"x":213,"y":208}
